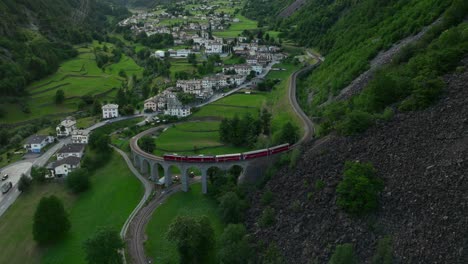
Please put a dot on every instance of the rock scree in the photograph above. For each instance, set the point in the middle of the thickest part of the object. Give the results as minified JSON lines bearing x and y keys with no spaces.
{"x":422,"y":157}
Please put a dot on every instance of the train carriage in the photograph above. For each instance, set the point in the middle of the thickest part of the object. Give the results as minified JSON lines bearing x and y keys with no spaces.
{"x":201,"y":158}
{"x":228,"y":157}
{"x":174,"y":157}
{"x":278,"y":149}
{"x":255,"y":154}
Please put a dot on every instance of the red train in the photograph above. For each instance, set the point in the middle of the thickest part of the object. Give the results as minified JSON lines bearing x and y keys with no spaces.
{"x":229,"y":157}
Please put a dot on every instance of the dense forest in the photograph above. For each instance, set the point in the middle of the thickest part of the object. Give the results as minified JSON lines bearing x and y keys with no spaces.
{"x":264,"y":11}
{"x":351,"y":33}
{"x":33,"y":40}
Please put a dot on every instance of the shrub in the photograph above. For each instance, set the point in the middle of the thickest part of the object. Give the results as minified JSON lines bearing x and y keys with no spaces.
{"x":231,"y":207}
{"x":234,"y":245}
{"x":319,"y":185}
{"x":355,"y":122}
{"x":267,"y":218}
{"x":78,"y":180}
{"x":267,"y":197}
{"x":103,"y":247}
{"x":358,"y":191}
{"x":38,"y":174}
{"x":383,"y":254}
{"x":24,"y":183}
{"x":344,"y":254}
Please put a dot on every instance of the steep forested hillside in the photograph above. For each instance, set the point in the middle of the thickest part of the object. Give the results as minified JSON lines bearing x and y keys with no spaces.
{"x":264,"y":11}
{"x":35,"y":35}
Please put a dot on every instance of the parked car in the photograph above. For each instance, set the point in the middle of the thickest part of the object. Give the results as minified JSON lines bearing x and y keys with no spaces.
{"x":6,"y":187}
{"x":4,"y":177}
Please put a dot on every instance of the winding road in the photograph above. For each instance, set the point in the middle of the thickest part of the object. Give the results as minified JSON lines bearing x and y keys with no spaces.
{"x":134,"y":229}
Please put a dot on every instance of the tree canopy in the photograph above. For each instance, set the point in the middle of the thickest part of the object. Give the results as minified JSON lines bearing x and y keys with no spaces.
{"x":50,"y":222}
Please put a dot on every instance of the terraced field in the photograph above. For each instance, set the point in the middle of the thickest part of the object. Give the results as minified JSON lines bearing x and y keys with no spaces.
{"x":77,"y":77}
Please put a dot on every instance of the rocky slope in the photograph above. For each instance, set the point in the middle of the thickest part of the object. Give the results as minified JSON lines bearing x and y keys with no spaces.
{"x":422,"y":158}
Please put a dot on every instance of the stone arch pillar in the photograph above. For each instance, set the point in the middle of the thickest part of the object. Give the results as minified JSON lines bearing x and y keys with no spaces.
{"x":204,"y":180}
{"x":184,"y":178}
{"x":144,"y":166}
{"x":154,"y":172}
{"x":136,"y":160}
{"x":167,"y":176}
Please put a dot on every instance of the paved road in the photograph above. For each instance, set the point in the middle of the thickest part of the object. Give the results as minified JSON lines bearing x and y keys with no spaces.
{"x":15,"y":170}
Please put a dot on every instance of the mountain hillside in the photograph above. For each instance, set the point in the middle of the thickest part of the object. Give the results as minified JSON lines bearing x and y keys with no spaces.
{"x":422,"y":158}
{"x":36,"y":35}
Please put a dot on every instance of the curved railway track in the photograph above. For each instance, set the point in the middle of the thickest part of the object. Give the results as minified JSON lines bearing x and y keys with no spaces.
{"x":135,"y":234}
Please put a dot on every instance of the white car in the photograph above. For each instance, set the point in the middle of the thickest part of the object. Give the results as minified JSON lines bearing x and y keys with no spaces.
{"x":5,"y":177}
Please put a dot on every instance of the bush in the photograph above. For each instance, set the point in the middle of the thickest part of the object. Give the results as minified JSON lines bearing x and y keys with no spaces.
{"x":78,"y":180}
{"x":358,"y":191}
{"x":38,"y":174}
{"x":383,"y":254}
{"x":104,"y":247}
{"x":267,"y":218}
{"x":231,"y":207}
{"x":344,"y":254}
{"x":267,"y":197}
{"x":319,"y":185}
{"x":355,"y":122}
{"x":234,"y":245}
{"x":24,"y":183}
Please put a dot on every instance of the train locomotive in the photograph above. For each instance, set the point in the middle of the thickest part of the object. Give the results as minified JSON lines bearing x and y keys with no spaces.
{"x":229,"y":157}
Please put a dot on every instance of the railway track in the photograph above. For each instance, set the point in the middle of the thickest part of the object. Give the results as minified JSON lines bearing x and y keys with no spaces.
{"x":135,"y":235}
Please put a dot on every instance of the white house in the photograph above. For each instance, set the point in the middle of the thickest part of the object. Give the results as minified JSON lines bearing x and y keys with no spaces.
{"x":159,"y":53}
{"x":66,"y":127}
{"x":36,"y":143}
{"x":175,"y":108}
{"x":214,"y":47}
{"x":71,"y":150}
{"x":64,"y":166}
{"x":151,"y":104}
{"x":183,"y":52}
{"x":110,"y":111}
{"x":257,"y":68}
{"x":80,"y":136}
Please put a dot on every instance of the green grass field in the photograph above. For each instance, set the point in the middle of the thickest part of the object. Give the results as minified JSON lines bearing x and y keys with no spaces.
{"x":236,"y":104}
{"x":278,"y":101}
{"x":76,"y":77}
{"x":192,"y":203}
{"x":192,"y":139}
{"x":236,"y":28}
{"x":114,"y":194}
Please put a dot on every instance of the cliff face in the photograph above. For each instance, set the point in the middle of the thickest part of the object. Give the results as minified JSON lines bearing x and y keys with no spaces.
{"x":422,"y":158}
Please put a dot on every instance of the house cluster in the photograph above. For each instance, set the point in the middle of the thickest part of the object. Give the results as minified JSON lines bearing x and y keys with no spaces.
{"x":68,"y":128}
{"x":68,"y":159}
{"x":166,"y":102}
{"x":257,"y":54}
{"x":149,"y":23}
{"x":69,"y":156}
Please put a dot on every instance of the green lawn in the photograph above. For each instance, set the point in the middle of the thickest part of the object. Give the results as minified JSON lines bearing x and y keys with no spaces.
{"x":192,"y":203}
{"x":234,"y":104}
{"x":76,"y":77}
{"x":114,"y":194}
{"x":236,"y":28}
{"x":86,"y":122}
{"x":278,"y":101}
{"x":183,"y":139}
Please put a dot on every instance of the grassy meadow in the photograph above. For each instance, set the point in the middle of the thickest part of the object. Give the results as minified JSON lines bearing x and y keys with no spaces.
{"x":113,"y":195}
{"x":76,"y":77}
{"x":192,"y":203}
